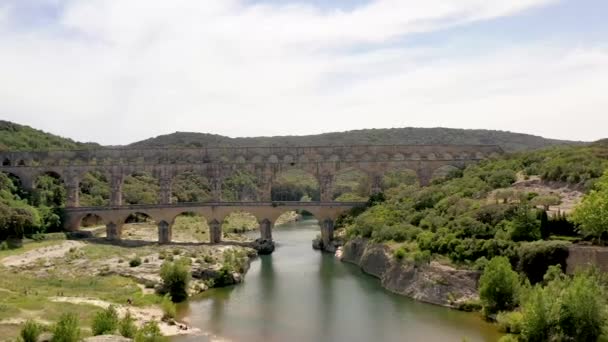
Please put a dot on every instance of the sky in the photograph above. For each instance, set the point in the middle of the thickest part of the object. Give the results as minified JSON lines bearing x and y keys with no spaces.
{"x":119,"y":71}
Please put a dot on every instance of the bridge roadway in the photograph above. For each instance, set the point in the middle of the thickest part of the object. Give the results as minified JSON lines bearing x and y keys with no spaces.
{"x":266,"y":213}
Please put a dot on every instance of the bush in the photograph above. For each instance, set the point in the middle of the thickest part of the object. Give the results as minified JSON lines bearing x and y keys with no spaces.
{"x":127,"y":327}
{"x":169,"y":308}
{"x":498,"y":286}
{"x":525,"y":225}
{"x":176,"y":277}
{"x":105,"y":322}
{"x":566,"y":309}
{"x":208,"y":259}
{"x":536,"y":257}
{"x":150,"y":332}
{"x":66,"y":329}
{"x":502,"y":179}
{"x":509,"y":322}
{"x":135,"y":262}
{"x":399,"y":253}
{"x":30,"y":331}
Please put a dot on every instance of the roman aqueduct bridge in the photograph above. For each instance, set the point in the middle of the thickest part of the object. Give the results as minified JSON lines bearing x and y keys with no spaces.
{"x":218,"y":164}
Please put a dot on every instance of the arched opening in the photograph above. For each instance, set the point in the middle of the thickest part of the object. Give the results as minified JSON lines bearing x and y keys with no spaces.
{"x":21,"y":163}
{"x":292,"y":218}
{"x":140,"y":226}
{"x":190,"y":227}
{"x":6,"y":162}
{"x":140,"y":188}
{"x":94,"y":224}
{"x":446,"y":171}
{"x":239,"y":222}
{"x":49,"y":190}
{"x":241,"y":186}
{"x":94,"y":189}
{"x":351,"y":185}
{"x":190,"y":187}
{"x":398,"y":177}
{"x":295,"y":185}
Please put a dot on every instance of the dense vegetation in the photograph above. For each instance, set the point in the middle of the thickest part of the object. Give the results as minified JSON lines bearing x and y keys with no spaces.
{"x":509,"y":141}
{"x":471,"y":216}
{"x":18,"y":137}
{"x":23,"y":213}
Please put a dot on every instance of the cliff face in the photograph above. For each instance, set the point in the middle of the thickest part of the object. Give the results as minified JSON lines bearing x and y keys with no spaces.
{"x":432,"y":283}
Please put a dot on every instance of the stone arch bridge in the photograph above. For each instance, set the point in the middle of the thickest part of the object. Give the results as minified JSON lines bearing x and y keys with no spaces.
{"x":218,"y":164}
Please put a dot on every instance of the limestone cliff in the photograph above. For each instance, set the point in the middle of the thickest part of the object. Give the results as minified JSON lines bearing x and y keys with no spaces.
{"x":432,"y":283}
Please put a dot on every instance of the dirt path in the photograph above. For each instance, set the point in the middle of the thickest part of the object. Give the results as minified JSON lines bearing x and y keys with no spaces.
{"x":141,"y":315}
{"x":50,"y":252}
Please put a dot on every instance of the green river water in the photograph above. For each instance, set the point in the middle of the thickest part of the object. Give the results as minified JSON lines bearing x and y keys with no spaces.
{"x":298,"y":294}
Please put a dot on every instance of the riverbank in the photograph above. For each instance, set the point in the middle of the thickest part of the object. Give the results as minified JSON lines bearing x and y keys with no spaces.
{"x":42,"y":280}
{"x":429,"y":282}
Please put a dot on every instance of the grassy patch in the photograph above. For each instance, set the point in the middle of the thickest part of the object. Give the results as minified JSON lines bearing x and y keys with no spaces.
{"x":29,"y":245}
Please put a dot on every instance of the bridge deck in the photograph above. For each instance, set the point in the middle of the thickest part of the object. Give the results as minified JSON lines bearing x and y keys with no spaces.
{"x":290,"y":204}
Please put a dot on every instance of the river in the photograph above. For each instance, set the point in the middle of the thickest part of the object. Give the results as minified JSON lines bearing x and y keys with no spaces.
{"x":298,"y":294}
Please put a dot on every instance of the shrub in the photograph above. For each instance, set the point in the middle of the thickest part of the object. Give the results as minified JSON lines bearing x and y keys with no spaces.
{"x":536,"y":257}
{"x":502,"y":179}
{"x":208,"y":259}
{"x":150,"y":332}
{"x":566,"y":309}
{"x":176,"y":277}
{"x":135,"y":262}
{"x":592,"y":214}
{"x":525,"y":225}
{"x":169,"y":308}
{"x":224,"y":277}
{"x":30,"y":331}
{"x":498,"y":286}
{"x":510,"y":322}
{"x":105,"y":322}
{"x":582,"y":311}
{"x":126,"y":326}
{"x":399,"y":253}
{"x":66,"y":329}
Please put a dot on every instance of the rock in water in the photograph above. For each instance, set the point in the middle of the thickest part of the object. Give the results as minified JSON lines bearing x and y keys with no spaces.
{"x":263,"y":246}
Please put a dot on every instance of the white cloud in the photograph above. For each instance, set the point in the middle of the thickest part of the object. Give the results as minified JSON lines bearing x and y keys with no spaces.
{"x":116,"y":71}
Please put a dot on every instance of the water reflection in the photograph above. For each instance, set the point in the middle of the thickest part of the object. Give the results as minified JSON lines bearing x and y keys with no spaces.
{"x":298,"y":294}
{"x":267,"y":281}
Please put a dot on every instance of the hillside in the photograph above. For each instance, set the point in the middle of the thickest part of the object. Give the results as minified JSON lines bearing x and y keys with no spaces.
{"x":510,"y":142}
{"x":18,"y":137}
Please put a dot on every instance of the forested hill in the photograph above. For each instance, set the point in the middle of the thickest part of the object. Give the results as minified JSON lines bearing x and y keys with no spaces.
{"x":18,"y":137}
{"x":509,"y":141}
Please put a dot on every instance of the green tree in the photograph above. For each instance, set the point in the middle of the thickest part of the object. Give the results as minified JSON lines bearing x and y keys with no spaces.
{"x":592,"y":213}
{"x":150,"y":332}
{"x":127,"y":327}
{"x":525,"y":225}
{"x":498,"y":286}
{"x":30,"y":331}
{"x":546,"y":201}
{"x":105,"y":321}
{"x":176,"y":277}
{"x":545,"y":229}
{"x":66,"y":329}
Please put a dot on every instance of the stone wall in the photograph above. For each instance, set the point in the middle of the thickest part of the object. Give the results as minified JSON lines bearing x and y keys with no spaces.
{"x":585,"y":256}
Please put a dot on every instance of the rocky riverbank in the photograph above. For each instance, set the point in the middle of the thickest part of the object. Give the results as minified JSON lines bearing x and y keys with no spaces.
{"x":44,"y":279}
{"x":431,"y":283}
